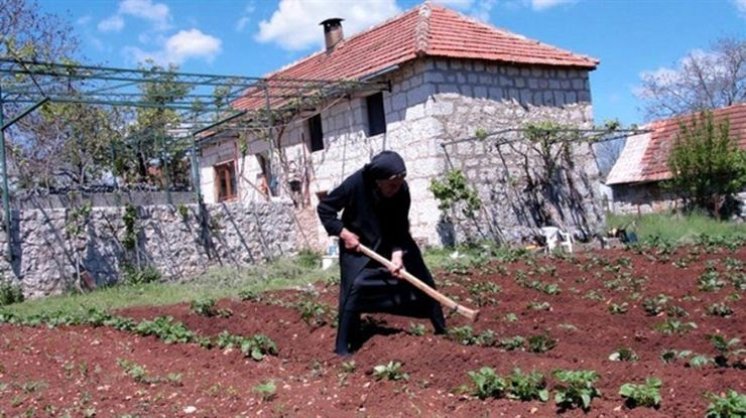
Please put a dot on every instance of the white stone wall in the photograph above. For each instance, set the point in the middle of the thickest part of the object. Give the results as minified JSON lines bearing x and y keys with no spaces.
{"x":237,"y":234}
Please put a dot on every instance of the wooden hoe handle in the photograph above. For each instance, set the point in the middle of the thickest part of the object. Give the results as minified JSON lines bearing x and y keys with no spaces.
{"x":419,"y":284}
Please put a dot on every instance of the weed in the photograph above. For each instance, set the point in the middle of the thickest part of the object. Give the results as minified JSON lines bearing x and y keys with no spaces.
{"x":10,"y":293}
{"x":134,"y":370}
{"x":267,"y":390}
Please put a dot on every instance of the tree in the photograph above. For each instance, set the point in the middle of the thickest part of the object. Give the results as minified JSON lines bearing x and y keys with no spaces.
{"x":702,"y":80}
{"x":708,"y":167}
{"x":149,"y":140}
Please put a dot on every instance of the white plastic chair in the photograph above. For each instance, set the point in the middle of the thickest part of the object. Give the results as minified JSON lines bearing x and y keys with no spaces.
{"x":554,"y":237}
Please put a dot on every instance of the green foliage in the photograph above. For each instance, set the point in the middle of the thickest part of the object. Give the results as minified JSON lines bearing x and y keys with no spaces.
{"x":308,"y":259}
{"x":512,"y":343}
{"x":390,"y":371}
{"x":465,"y":335}
{"x":706,"y":163}
{"x":719,"y":309}
{"x":452,"y":189}
{"x":576,"y":388}
{"x":165,"y":329}
{"x":527,"y":387}
{"x":133,"y":276}
{"x":681,"y":229}
{"x":417,"y":330}
{"x":129,"y":217}
{"x":730,"y":405}
{"x":315,"y":313}
{"x":10,"y":293}
{"x":624,"y":354}
{"x":674,"y":326}
{"x":618,"y":309}
{"x":541,"y":343}
{"x":647,"y":394}
{"x":183,"y":211}
{"x":729,"y":351}
{"x":256,"y":347}
{"x":267,"y":390}
{"x":487,"y":383}
{"x":206,"y":307}
{"x":480,"y":134}
{"x":134,"y":370}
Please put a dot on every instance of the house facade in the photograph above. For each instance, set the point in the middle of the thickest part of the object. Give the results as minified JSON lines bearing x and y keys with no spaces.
{"x":449,"y":78}
{"x":637,"y":176}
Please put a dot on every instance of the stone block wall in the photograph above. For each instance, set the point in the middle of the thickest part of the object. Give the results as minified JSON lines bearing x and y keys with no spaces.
{"x":437,"y":101}
{"x":172,"y":239}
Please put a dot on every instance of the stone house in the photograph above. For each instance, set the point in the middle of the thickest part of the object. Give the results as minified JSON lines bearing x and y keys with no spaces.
{"x":448,"y":78}
{"x":638,"y":173}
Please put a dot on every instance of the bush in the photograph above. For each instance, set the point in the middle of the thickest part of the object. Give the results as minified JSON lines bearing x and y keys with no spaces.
{"x":10,"y":293}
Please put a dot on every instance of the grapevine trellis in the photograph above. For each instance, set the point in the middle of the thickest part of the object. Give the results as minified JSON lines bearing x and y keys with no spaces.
{"x":204,"y":105}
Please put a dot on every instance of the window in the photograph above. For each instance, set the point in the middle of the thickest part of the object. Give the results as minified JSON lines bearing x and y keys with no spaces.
{"x":316,"y":133}
{"x":225,"y":181}
{"x":376,"y":115}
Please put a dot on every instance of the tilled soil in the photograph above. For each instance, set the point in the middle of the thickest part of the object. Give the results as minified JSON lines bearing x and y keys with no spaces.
{"x":85,"y":371}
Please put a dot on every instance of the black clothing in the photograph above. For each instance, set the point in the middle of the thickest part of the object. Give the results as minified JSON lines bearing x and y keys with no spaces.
{"x":385,"y":165}
{"x":382,"y":224}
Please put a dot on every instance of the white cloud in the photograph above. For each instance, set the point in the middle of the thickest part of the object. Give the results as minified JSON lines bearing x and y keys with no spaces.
{"x":112,"y":24}
{"x":157,"y":13}
{"x":183,"y":46}
{"x":83,"y":20}
{"x":245,"y":18}
{"x":295,"y":23}
{"x":539,"y":5}
{"x":741,"y":6}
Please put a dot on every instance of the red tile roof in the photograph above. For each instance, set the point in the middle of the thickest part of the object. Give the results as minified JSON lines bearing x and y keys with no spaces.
{"x":654,"y":164}
{"x":426,"y":30}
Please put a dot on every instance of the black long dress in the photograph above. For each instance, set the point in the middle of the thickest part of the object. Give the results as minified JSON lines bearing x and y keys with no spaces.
{"x":382,"y":225}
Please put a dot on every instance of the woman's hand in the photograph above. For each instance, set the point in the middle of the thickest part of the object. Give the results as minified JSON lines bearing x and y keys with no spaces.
{"x":397,"y":259}
{"x":350,"y":239}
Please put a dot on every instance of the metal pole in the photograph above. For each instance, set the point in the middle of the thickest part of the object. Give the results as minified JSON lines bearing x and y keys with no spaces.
{"x":6,"y":197}
{"x":270,"y":122}
{"x":195,"y":170}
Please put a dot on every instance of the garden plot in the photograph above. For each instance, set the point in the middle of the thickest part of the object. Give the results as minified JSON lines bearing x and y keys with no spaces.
{"x":644,"y":332}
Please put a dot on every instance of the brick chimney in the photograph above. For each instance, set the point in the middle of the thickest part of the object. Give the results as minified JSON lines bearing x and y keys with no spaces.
{"x":332,"y":32}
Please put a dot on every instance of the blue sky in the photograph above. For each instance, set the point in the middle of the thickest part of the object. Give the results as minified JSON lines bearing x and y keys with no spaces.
{"x":254,"y":37}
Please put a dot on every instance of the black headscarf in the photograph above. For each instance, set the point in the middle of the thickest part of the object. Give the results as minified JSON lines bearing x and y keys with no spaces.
{"x":385,"y":165}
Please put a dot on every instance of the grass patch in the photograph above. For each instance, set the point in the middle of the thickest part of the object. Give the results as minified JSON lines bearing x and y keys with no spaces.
{"x":216,"y":283}
{"x":682,"y":229}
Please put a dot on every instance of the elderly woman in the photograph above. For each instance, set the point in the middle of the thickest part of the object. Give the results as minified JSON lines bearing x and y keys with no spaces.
{"x":375,"y":203}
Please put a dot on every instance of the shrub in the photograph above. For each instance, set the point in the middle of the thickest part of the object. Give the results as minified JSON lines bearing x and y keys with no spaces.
{"x":10,"y":293}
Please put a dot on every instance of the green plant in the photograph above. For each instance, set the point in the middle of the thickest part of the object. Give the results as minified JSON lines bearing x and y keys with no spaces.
{"x":511,"y":344}
{"x":133,"y":276}
{"x":541,"y":343}
{"x":728,"y":350}
{"x":10,"y":293}
{"x":416,"y":329}
{"x":390,"y":371}
{"x":706,"y":163}
{"x":267,"y":390}
{"x":256,"y":346}
{"x":527,"y":387}
{"x":646,"y":394}
{"x":719,"y":309}
{"x":165,"y":329}
{"x":134,"y":370}
{"x":348,"y":366}
{"x":710,"y":280}
{"x":624,"y":354}
{"x":617,"y":309}
{"x":654,"y":306}
{"x":487,"y":383}
{"x":575,"y":388}
{"x":183,"y":211}
{"x":452,"y":189}
{"x":729,"y":405}
{"x":314,"y":313}
{"x":129,"y":218}
{"x":673,"y":326}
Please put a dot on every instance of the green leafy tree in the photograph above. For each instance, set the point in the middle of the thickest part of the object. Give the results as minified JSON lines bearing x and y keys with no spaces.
{"x":706,"y":163}
{"x":149,"y":139}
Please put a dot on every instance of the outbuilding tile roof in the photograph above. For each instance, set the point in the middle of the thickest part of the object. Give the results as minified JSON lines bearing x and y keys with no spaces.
{"x":645,"y":157}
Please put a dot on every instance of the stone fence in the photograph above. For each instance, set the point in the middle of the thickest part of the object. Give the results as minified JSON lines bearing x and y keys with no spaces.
{"x":51,"y":246}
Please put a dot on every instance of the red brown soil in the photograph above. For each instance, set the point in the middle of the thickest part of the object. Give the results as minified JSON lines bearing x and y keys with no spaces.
{"x":75,"y":370}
